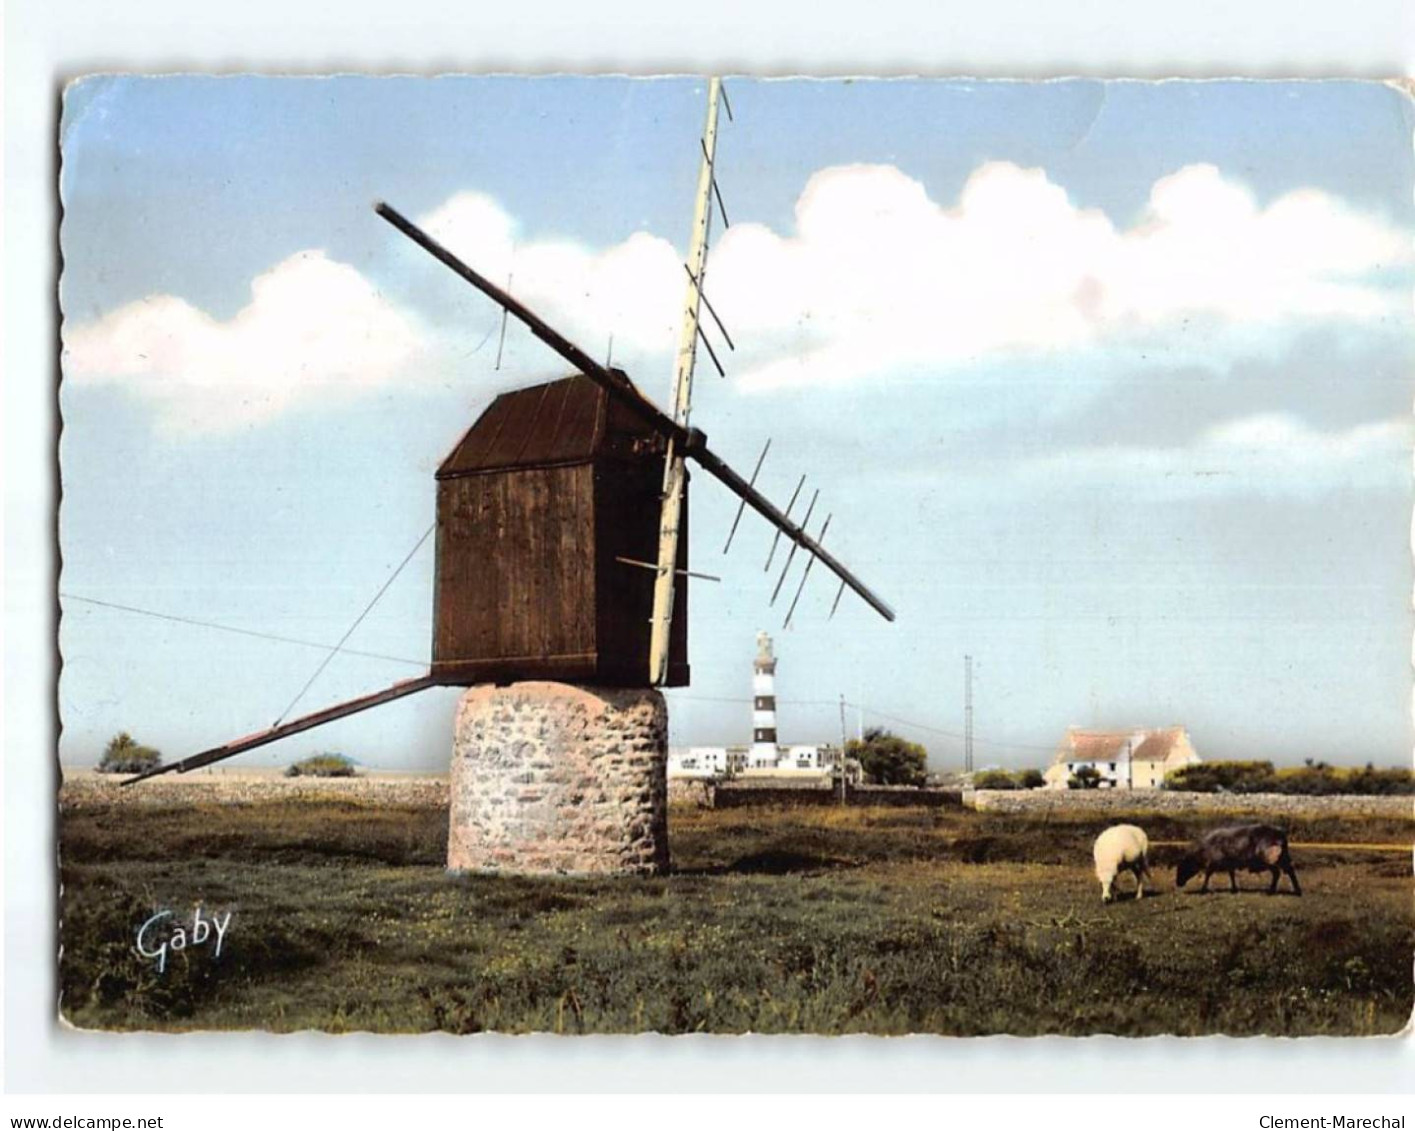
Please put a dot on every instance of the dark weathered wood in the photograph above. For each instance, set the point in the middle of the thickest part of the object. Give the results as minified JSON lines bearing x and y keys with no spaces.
{"x":569,"y":668}
{"x":626,"y":526}
{"x":294,"y":726}
{"x":516,"y":569}
{"x":534,"y":502}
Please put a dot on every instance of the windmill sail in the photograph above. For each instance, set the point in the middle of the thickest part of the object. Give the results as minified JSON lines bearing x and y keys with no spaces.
{"x":690,"y":442}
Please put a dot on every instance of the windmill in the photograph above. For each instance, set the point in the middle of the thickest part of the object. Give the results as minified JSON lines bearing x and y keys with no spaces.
{"x":555,"y":497}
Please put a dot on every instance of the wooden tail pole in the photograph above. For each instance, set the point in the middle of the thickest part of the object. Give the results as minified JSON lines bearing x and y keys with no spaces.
{"x":294,"y":726}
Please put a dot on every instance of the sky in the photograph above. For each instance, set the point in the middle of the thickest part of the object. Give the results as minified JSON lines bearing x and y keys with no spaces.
{"x":1106,"y":385}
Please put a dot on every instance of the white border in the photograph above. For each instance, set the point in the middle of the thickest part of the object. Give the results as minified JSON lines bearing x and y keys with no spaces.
{"x":48,"y":41}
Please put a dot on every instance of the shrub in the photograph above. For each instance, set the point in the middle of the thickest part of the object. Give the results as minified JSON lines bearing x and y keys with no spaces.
{"x":1223,"y":777}
{"x":1311,"y":779}
{"x":1087,"y":777}
{"x":1031,"y":779}
{"x":1321,"y":778}
{"x":124,"y":756}
{"x":994,"y":779}
{"x":888,"y":759}
{"x":322,"y":766}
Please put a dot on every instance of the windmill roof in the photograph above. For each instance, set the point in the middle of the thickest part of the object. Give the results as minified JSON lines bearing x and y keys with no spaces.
{"x":572,"y":420}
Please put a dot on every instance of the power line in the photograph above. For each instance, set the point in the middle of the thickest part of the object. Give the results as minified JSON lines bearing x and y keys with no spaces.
{"x":357,"y":621}
{"x":954,"y":734}
{"x":238,"y":631}
{"x":877,"y":713}
{"x":423,"y":664}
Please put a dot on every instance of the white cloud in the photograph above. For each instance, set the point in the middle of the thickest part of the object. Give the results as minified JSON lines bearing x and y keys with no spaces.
{"x":879,"y":279}
{"x":313,"y":328}
{"x":1269,"y":453}
{"x":875,"y":279}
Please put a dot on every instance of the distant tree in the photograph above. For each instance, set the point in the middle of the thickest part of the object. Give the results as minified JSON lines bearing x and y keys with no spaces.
{"x":123,"y":755}
{"x":1087,"y":777}
{"x":887,"y":759}
{"x":322,"y":766}
{"x":1031,"y":779}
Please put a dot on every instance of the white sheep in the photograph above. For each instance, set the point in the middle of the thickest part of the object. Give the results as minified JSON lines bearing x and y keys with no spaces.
{"x":1122,"y":848}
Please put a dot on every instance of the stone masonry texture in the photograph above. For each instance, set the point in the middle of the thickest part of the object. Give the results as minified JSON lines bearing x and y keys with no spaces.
{"x":547,"y":778}
{"x":1258,"y":805}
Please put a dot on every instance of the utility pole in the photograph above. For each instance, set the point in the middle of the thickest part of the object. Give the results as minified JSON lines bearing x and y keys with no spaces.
{"x":967,"y":714}
{"x":843,"y":741}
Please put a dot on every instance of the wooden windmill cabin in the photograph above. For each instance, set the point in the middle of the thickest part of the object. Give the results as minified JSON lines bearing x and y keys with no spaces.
{"x":547,"y":528}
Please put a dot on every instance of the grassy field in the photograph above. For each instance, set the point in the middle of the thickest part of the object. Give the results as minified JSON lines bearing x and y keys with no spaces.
{"x":814,"y":921}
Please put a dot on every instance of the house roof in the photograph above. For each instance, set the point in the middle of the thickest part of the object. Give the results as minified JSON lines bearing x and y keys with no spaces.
{"x":572,"y":420}
{"x":1092,"y":745}
{"x":1158,"y":745}
{"x":1115,"y":745}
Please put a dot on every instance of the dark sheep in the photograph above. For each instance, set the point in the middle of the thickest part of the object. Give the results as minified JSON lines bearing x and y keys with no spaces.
{"x":1253,"y":848}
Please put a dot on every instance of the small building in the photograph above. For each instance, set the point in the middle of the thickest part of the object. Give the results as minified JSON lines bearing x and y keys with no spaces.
{"x":1126,"y":759}
{"x":706,"y":761}
{"x":547,"y":544}
{"x":792,"y":761}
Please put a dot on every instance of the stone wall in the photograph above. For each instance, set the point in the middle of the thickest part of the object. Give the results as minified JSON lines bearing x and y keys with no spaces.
{"x":550,"y":778}
{"x":697,"y":792}
{"x":84,"y":789}
{"x":1177,"y":801}
{"x":904,"y":795}
{"x":742,"y":793}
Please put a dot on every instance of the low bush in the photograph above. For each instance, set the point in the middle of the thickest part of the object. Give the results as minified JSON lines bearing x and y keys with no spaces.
{"x":322,"y":766}
{"x":1002,"y":779}
{"x":1086,"y":777}
{"x":122,"y":755}
{"x":1312,"y":779}
{"x":1223,"y":777}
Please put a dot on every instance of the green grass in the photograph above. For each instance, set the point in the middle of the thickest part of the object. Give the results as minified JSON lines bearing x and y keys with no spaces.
{"x":819,"y":921}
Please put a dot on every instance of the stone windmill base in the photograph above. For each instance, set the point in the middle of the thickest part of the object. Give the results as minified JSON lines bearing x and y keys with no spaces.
{"x":548,"y":778}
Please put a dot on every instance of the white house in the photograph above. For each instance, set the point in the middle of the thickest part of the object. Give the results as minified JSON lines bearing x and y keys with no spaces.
{"x":1128,"y":759}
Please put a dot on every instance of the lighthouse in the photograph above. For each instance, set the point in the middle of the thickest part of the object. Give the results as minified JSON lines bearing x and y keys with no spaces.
{"x":764,"y":750}
{"x":765,"y":757}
